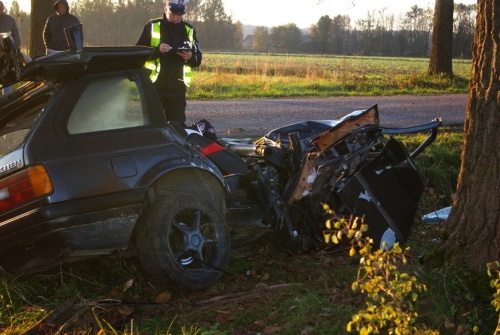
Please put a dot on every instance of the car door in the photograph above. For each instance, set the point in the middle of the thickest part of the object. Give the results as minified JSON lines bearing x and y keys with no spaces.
{"x":109,"y":133}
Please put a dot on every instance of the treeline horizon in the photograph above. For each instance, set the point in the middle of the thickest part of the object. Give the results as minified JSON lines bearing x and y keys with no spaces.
{"x":110,"y":22}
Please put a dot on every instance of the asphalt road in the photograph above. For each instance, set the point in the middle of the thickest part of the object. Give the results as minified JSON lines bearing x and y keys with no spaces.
{"x":254,"y":118}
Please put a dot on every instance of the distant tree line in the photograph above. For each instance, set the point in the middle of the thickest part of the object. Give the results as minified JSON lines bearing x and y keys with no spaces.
{"x":120,"y":22}
{"x":379,"y":34}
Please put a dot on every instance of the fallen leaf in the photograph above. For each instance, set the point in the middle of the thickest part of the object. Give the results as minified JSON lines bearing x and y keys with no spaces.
{"x":126,"y":310}
{"x":272,"y":316}
{"x":221,"y":317}
{"x":163,"y":297}
{"x":448,"y":324}
{"x":271,"y":329}
{"x":115,"y":292}
{"x":306,"y":330}
{"x":265,"y":277}
{"x":47,"y":327}
{"x":462,"y":330}
{"x":198,"y":296}
{"x":259,"y":323}
{"x":241,"y":278}
{"x":292,"y":308}
{"x":128,"y":284}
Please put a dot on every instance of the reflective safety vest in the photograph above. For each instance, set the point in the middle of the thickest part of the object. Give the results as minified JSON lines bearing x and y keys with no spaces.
{"x":154,"y":65}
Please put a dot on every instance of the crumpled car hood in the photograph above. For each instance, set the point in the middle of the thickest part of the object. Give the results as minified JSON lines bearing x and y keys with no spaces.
{"x":310,"y":131}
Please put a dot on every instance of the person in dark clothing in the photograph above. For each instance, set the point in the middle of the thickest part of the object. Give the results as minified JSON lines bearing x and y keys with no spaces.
{"x":171,"y":67}
{"x":8,"y":25}
{"x":53,"y":32}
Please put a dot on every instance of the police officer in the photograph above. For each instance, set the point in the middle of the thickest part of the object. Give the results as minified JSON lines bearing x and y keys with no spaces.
{"x":177,"y":51}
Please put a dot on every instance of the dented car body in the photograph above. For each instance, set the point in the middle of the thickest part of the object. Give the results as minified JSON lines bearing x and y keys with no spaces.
{"x":90,"y":167}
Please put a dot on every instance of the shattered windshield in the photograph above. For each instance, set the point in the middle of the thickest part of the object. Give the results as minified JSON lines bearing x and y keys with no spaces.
{"x":19,"y":113}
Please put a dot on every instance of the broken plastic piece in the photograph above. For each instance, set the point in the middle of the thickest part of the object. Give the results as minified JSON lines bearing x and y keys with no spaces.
{"x":437,"y":216}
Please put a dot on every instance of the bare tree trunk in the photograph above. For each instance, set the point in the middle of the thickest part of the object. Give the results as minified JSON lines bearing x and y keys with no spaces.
{"x":40,"y":11}
{"x":442,"y":39}
{"x":474,"y":225}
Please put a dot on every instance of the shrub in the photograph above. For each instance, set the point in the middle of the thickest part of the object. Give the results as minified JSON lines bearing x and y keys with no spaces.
{"x":494,"y":272}
{"x":391,"y":293}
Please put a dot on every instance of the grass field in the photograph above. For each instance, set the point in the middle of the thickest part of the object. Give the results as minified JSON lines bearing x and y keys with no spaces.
{"x":235,"y":76}
{"x":269,"y":291}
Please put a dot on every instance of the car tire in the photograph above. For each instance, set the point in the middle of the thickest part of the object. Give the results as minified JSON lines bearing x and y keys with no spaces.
{"x":184,"y":242}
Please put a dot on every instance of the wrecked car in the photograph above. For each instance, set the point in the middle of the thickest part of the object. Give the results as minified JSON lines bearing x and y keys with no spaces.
{"x":90,"y":167}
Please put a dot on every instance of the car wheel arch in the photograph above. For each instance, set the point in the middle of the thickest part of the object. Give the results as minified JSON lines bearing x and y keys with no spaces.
{"x":175,"y":180}
{"x":171,"y":181}
{"x":164,"y":169}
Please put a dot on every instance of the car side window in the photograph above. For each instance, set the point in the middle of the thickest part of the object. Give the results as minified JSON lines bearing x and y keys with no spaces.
{"x":106,"y":104}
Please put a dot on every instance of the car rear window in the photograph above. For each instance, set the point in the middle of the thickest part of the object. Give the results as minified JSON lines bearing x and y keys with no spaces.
{"x":110,"y":103}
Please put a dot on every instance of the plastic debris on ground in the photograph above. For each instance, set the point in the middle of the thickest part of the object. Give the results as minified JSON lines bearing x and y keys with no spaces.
{"x":437,"y":216}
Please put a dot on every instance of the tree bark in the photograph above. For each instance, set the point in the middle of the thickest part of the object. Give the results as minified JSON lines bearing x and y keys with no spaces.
{"x":442,"y":39}
{"x":473,"y":227}
{"x":40,"y":11}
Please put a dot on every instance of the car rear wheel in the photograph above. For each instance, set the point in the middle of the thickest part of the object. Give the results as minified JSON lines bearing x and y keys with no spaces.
{"x":184,"y":241}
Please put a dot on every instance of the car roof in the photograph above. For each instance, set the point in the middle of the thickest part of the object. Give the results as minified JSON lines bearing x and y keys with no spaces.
{"x":75,"y":62}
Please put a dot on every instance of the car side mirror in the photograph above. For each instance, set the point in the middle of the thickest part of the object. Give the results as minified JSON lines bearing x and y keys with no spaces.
{"x":74,"y":36}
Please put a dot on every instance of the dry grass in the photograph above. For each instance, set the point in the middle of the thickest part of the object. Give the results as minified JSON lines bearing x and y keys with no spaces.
{"x":231,"y":76}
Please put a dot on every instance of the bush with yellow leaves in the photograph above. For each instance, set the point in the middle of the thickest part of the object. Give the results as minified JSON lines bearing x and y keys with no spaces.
{"x":494,"y":272}
{"x":391,"y":293}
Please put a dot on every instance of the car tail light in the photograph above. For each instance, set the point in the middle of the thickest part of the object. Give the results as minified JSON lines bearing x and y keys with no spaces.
{"x":24,"y":186}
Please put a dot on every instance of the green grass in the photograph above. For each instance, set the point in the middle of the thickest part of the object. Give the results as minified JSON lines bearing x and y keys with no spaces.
{"x":312,"y":292}
{"x":236,"y":76}
{"x":439,"y":165}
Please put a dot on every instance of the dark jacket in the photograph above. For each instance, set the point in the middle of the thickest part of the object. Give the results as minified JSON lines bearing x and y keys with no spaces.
{"x":171,"y":65}
{"x":53,"y":32}
{"x":8,"y":23}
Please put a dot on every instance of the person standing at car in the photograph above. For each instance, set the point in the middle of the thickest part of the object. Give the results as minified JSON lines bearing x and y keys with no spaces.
{"x":171,"y":68}
{"x":53,"y":32}
{"x":8,"y":25}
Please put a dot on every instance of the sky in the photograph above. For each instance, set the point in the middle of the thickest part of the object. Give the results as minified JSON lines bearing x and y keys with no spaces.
{"x":280,"y":12}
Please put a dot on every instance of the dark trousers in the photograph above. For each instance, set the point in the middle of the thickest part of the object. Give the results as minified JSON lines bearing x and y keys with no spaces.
{"x":174,"y":108}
